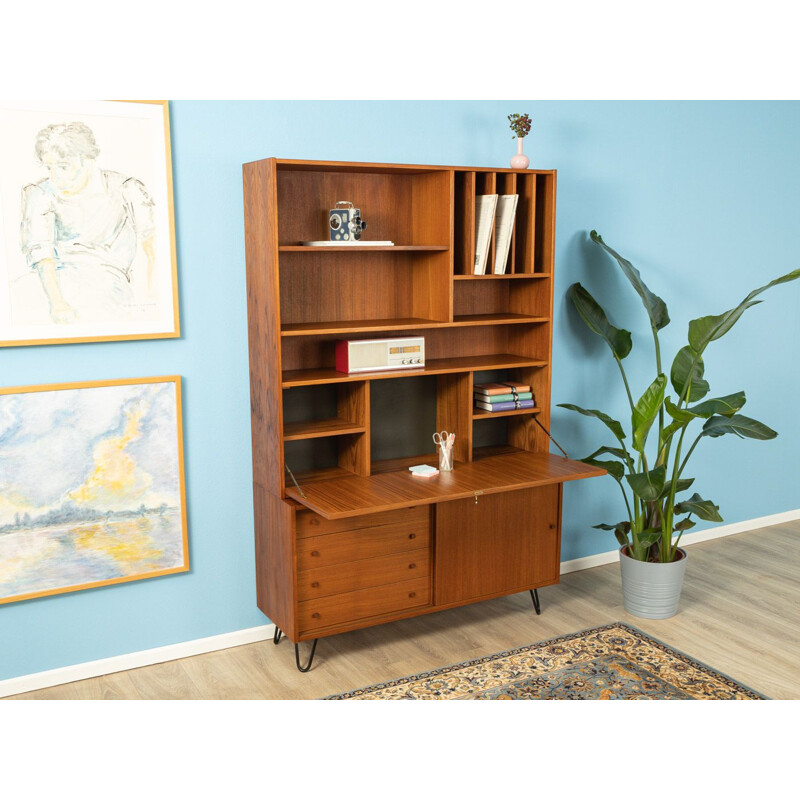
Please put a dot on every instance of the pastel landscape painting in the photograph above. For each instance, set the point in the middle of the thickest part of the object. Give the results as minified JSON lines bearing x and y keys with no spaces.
{"x":91,"y":486}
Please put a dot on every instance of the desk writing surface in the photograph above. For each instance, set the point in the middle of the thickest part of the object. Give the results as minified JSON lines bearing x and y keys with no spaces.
{"x":353,"y":495}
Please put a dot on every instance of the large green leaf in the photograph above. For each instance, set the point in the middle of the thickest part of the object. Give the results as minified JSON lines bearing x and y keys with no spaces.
{"x":620,"y":530}
{"x":704,"y":509}
{"x":612,"y":451}
{"x":614,"y":426}
{"x":726,"y":406}
{"x":684,"y":524}
{"x":592,"y":314}
{"x":646,"y":410}
{"x":654,"y":305}
{"x":648,"y":536}
{"x":743,"y":427}
{"x":648,"y":485}
{"x":681,"y":485}
{"x":681,"y":415}
{"x":688,"y":366}
{"x":706,"y":329}
{"x":613,"y":468}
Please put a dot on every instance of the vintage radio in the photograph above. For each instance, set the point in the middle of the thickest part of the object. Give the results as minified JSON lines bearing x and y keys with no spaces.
{"x":373,"y":355}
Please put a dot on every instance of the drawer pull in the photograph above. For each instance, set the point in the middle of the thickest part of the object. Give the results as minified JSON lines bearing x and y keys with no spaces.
{"x":412,"y":566}
{"x":315,"y":585}
{"x":412,"y":535}
{"x":315,"y":615}
{"x":315,"y":552}
{"x":412,"y":594}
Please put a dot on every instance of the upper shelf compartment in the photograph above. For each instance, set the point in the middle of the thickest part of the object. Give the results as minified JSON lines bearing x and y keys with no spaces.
{"x":413,"y":248}
{"x":408,"y":207}
{"x":530,"y":250}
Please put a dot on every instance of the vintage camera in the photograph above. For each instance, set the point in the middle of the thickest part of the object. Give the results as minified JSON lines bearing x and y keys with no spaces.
{"x":346,"y":223}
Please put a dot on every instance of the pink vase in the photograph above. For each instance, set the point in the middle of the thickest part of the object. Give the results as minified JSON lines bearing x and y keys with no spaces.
{"x":520,"y":160}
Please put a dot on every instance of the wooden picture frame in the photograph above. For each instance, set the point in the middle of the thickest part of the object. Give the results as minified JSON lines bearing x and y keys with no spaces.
{"x":87,"y":232}
{"x":92,"y":488}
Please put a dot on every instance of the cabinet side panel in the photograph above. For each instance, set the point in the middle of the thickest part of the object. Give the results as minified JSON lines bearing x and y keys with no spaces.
{"x":263,"y":311}
{"x":275,"y":560}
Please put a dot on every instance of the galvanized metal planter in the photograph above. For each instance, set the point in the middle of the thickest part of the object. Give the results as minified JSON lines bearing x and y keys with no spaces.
{"x":652,"y":591}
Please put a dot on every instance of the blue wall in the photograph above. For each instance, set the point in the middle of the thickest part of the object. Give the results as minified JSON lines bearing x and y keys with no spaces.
{"x":703,"y":197}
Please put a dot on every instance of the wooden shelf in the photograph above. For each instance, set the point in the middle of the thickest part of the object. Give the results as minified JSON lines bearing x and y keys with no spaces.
{"x":479,"y":413}
{"x":437,"y":366}
{"x":521,"y":275}
{"x":497,"y":319}
{"x":364,"y":248}
{"x":357,"y":326}
{"x":293,"y":431}
{"x":405,"y":323}
{"x":354,"y":495}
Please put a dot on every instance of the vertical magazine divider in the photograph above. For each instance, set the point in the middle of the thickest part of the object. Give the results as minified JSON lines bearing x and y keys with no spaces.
{"x":486,"y":183}
{"x":525,"y":225}
{"x":464,"y":223}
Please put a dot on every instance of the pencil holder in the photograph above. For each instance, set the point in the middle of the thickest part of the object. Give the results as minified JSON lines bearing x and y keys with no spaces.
{"x":445,"y":459}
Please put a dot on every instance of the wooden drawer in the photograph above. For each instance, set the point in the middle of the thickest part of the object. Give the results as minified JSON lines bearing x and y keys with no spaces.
{"x":338,"y":548}
{"x":311,"y":524}
{"x":363,"y":574}
{"x":351,"y":606}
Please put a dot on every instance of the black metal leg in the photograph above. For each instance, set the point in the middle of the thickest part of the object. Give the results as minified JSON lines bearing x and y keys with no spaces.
{"x":535,"y":598}
{"x":276,"y":637}
{"x":307,"y":667}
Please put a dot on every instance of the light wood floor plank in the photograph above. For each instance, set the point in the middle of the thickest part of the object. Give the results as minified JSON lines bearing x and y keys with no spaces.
{"x":740,"y":614}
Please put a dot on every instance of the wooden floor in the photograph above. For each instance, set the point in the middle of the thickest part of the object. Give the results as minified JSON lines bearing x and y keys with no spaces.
{"x":740,"y":613}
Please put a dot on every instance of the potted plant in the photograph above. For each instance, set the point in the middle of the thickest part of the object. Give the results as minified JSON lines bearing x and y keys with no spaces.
{"x":650,"y":467}
{"x":521,"y":126}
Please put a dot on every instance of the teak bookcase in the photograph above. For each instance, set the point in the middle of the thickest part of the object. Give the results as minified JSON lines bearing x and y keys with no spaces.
{"x":358,"y":541}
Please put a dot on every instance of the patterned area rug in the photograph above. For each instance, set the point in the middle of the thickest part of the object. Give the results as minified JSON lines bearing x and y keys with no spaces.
{"x":612,"y":662}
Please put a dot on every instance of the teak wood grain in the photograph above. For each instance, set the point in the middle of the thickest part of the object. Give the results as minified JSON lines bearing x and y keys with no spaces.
{"x":363,"y":574}
{"x":353,"y":495}
{"x":338,"y":548}
{"x":505,"y":543}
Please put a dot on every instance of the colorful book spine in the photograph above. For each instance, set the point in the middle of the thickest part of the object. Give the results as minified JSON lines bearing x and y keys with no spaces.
{"x":503,"y":398}
{"x":500,"y":388}
{"x":508,"y":406}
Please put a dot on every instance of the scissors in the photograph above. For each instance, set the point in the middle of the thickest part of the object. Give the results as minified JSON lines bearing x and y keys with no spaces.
{"x":440,"y":439}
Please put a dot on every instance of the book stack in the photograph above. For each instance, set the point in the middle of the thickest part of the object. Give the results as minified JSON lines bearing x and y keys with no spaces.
{"x":493,"y":213}
{"x":495,"y":397}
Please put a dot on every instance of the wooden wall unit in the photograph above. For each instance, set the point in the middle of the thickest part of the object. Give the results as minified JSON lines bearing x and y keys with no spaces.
{"x":361,"y":541}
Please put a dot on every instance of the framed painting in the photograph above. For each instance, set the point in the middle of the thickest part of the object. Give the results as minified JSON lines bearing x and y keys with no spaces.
{"x":91,"y":485}
{"x":87,"y":238}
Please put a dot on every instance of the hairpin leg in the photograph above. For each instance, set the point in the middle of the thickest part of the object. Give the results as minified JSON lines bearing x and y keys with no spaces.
{"x":276,"y":637}
{"x":535,"y":598}
{"x":307,"y":667}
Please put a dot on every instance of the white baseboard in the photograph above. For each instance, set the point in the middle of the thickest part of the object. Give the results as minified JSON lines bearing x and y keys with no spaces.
{"x":611,"y":556}
{"x":141,"y":658}
{"x":158,"y":655}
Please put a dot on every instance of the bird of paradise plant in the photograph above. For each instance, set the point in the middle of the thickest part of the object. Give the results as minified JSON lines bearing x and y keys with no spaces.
{"x":656,"y":477}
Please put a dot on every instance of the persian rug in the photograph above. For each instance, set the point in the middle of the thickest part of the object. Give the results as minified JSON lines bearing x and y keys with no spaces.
{"x":611,"y":662}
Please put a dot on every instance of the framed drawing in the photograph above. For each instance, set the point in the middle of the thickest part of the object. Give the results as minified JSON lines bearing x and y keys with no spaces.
{"x":91,"y":485}
{"x":87,"y":241}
